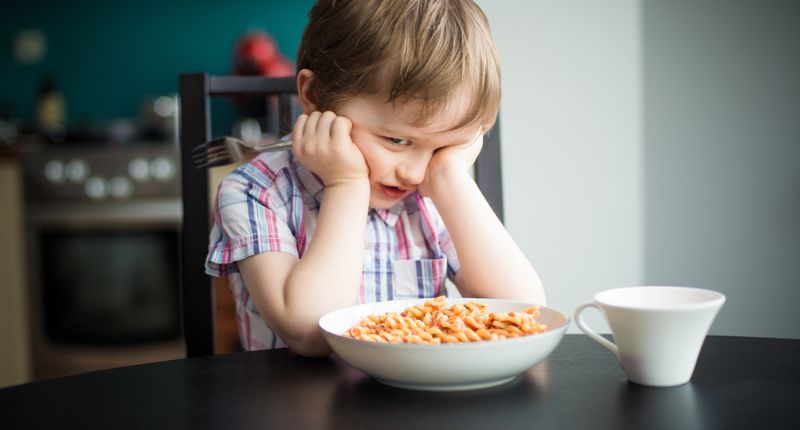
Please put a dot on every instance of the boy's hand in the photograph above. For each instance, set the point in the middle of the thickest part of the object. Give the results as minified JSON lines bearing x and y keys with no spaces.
{"x":321,"y":141}
{"x":455,"y":159}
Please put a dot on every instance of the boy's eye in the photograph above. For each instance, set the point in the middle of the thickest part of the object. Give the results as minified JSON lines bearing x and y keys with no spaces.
{"x":398,"y":141}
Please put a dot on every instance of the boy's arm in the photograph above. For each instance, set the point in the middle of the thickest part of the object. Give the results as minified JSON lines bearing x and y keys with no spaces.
{"x":492,"y":265}
{"x":291,"y":294}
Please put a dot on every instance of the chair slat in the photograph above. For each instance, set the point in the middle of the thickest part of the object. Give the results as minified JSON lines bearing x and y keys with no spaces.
{"x":249,"y":85}
{"x":197,"y":289}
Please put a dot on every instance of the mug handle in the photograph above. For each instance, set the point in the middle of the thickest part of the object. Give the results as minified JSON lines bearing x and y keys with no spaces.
{"x":591,"y":333}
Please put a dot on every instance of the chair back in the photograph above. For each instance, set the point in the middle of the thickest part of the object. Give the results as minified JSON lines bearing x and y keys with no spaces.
{"x":196,"y":90}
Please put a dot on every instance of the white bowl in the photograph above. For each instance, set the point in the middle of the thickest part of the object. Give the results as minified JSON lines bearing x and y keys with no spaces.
{"x":445,"y":367}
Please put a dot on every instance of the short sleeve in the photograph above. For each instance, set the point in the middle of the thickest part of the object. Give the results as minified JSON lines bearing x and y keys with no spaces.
{"x":255,"y":213}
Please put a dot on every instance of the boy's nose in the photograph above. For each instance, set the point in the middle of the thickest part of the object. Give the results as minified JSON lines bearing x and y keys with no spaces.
{"x":412,"y":173}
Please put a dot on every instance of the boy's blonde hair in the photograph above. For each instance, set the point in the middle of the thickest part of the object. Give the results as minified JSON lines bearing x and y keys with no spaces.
{"x":412,"y":50}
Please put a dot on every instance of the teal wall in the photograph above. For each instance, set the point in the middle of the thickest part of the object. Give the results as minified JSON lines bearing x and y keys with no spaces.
{"x":107,"y":56}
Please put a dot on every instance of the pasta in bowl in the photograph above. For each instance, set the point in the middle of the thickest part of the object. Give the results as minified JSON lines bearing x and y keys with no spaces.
{"x":444,"y":344}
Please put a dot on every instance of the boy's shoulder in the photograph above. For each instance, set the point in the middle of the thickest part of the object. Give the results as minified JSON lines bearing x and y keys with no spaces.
{"x":279,"y":171}
{"x":265,"y":169}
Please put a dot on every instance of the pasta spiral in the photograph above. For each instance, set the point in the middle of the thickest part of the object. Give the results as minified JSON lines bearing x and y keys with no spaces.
{"x":432,"y":323}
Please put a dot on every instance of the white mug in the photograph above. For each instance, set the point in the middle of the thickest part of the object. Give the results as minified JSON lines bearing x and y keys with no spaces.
{"x":658,"y":331}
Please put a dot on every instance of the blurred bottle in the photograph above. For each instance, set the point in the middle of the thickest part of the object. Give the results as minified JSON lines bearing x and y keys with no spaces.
{"x":257,"y":53}
{"x":51,"y":112}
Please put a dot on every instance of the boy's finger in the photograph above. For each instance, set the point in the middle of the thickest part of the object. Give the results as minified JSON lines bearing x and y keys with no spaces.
{"x":324,"y":124}
{"x":340,"y":128}
{"x":299,"y":126}
{"x":311,"y":123}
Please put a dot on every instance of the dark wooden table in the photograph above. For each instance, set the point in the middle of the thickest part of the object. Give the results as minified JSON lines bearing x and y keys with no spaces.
{"x":739,"y":382}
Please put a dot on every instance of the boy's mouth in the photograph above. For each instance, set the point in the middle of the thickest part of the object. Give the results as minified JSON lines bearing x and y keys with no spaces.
{"x":393,"y":192}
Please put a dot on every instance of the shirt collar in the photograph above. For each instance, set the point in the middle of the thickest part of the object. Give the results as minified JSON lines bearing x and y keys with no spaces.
{"x":390,"y":216}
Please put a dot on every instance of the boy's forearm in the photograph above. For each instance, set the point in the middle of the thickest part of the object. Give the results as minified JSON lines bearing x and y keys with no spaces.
{"x":328,"y":276}
{"x":492,"y":265}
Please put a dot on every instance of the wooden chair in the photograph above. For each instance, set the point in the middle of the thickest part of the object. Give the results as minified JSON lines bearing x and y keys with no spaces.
{"x":196,"y":90}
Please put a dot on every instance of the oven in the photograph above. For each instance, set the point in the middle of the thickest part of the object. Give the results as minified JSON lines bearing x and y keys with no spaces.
{"x":103,"y":225}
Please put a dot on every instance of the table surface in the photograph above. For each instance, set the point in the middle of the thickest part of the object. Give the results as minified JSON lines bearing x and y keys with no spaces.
{"x":738,"y":383}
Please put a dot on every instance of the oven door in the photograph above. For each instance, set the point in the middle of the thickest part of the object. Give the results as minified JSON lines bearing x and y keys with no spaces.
{"x":106,"y":274}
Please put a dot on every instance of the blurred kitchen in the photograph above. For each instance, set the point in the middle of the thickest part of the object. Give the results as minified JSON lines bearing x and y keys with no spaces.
{"x":89,"y":181}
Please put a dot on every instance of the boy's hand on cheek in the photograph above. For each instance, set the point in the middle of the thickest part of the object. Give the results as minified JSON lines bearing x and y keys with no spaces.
{"x":322,"y":142}
{"x":452,"y":160}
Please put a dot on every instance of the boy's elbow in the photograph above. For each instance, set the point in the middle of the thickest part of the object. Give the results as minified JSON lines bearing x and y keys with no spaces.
{"x":311,"y":349}
{"x":308,"y":344}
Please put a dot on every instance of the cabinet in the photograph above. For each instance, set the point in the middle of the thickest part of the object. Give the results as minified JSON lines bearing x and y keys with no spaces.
{"x":15,"y":364}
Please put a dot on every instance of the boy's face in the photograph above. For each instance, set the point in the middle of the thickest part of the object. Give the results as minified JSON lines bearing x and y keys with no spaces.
{"x":397,"y":152}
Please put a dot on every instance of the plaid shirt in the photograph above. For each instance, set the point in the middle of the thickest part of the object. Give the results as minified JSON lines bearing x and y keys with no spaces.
{"x":272,"y":204}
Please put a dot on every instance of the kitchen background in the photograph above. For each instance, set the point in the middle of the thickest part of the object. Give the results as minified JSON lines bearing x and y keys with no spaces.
{"x":644,"y":142}
{"x":99,"y":202}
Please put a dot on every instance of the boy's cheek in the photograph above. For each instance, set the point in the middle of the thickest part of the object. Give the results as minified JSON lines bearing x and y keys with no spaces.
{"x":368,"y":161}
{"x":359,"y":141}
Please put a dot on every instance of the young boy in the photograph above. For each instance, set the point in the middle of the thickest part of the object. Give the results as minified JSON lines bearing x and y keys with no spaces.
{"x":375,"y":202}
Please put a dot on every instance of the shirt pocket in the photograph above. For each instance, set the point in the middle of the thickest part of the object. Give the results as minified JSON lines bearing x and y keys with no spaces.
{"x":419,"y":279}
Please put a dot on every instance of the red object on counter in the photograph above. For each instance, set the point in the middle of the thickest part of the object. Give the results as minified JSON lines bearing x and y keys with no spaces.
{"x":257,"y":54}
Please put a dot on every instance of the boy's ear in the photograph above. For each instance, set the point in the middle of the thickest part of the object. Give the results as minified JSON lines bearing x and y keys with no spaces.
{"x":307,"y":100}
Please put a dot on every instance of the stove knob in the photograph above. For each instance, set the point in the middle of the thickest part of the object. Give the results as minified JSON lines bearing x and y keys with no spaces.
{"x":77,"y":170}
{"x":54,"y":171}
{"x":163,"y":169}
{"x":121,"y":187}
{"x":139,"y":169}
{"x":96,"y":188}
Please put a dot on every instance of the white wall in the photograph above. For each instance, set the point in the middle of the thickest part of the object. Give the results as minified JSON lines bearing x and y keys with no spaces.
{"x":722,"y":156}
{"x":571,"y":136}
{"x":656,"y":142}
